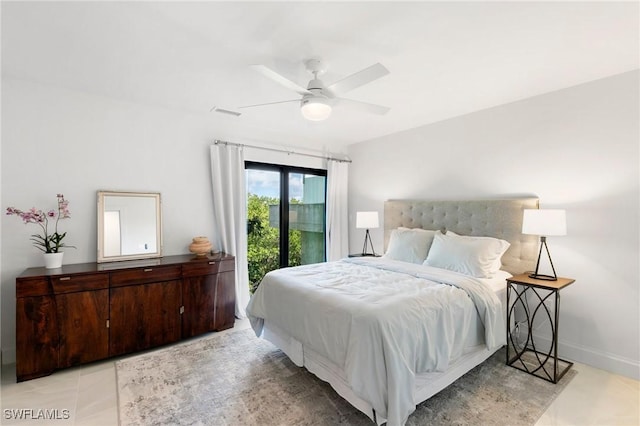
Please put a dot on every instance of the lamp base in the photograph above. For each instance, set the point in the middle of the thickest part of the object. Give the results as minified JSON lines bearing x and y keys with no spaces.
{"x":543,"y":277}
{"x":536,"y":275}
{"x":367,"y":239}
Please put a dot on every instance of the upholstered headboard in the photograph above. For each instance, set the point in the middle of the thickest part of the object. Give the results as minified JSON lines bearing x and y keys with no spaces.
{"x":490,"y":218}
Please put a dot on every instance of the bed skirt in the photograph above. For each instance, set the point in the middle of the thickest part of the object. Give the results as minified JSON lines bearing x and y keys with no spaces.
{"x":427,"y":384}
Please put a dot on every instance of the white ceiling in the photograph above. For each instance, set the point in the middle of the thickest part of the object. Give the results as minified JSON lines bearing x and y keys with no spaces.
{"x":446,"y":59}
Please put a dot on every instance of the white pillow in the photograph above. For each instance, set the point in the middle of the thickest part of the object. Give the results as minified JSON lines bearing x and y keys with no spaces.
{"x":497,"y":265}
{"x":409,"y":245}
{"x":475,"y":256}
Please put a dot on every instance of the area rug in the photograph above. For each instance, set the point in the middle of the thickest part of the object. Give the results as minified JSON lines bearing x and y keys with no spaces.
{"x":234,"y":378}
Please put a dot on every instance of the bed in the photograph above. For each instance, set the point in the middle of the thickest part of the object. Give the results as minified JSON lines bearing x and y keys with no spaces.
{"x":388,"y":333}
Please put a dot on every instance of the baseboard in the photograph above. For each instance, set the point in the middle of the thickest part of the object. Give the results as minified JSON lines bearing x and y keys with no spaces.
{"x":585,"y":355}
{"x":8,"y":356}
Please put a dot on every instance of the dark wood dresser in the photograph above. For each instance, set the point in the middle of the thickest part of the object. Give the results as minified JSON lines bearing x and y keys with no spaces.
{"x":91,"y":311}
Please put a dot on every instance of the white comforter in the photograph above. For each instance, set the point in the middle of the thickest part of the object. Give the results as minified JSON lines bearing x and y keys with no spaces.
{"x":382,"y":321}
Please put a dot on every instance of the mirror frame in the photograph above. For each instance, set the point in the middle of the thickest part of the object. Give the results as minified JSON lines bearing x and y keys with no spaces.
{"x":158,"y":216}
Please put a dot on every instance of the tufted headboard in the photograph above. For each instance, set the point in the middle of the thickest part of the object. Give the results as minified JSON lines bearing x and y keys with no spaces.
{"x":490,"y":218}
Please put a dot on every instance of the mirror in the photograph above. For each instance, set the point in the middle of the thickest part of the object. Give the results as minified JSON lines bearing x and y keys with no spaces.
{"x":129,"y":226}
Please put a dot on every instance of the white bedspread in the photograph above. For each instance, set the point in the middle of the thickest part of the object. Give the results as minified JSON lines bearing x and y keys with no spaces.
{"x":382,"y":321}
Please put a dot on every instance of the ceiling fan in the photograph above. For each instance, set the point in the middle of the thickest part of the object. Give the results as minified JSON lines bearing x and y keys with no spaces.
{"x":317,"y":99}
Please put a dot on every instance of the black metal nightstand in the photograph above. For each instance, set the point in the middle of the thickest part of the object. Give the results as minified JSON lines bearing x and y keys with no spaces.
{"x":528,"y":358}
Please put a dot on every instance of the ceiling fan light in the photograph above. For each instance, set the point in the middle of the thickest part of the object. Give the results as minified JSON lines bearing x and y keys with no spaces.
{"x":315,"y":109}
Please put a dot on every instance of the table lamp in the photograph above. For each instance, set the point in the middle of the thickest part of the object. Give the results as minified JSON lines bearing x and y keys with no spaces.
{"x":544,"y":222}
{"x":367,"y":220}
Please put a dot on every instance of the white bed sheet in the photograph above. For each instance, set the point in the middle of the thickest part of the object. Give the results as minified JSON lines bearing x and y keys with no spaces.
{"x":336,"y":343}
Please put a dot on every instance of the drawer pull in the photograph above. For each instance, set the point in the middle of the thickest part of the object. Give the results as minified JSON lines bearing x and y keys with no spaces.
{"x":213,"y":262}
{"x":148,"y":270}
{"x":65,"y":278}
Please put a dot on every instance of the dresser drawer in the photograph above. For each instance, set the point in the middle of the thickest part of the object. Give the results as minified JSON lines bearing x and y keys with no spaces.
{"x":27,"y":287}
{"x":80,"y":282}
{"x":210,"y":267}
{"x":200,"y":268}
{"x":145,"y":275}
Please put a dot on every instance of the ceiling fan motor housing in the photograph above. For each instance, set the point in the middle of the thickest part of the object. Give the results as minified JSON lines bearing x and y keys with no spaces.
{"x":316,"y":106}
{"x":316,"y":86}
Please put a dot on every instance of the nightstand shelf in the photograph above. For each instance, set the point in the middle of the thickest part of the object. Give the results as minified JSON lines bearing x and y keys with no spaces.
{"x":528,"y":358}
{"x":364,"y":255}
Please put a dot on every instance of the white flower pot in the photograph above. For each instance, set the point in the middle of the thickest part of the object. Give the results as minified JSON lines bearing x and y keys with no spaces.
{"x":53,"y":260}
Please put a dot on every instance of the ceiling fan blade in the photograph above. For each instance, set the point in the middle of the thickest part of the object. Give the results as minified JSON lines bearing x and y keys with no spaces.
{"x":363,"y":106}
{"x":283,"y":81}
{"x":269,"y":103}
{"x":358,"y":79}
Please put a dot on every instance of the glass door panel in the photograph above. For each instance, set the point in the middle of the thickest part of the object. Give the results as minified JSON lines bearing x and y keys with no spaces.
{"x":263,"y":224}
{"x":306,"y":195}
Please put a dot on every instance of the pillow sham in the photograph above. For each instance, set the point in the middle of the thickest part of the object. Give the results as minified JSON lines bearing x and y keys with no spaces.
{"x":475,"y":256}
{"x":409,"y":244}
{"x":497,"y":265}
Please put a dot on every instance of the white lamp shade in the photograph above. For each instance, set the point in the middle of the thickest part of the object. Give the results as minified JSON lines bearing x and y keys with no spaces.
{"x":315,"y":109}
{"x":368,"y":220}
{"x":545,"y":222}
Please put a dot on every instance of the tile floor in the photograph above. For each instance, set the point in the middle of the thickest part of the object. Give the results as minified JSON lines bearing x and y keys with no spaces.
{"x":88,"y":394}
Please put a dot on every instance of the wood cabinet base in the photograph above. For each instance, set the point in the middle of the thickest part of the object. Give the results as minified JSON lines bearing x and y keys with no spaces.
{"x":87,"y":312}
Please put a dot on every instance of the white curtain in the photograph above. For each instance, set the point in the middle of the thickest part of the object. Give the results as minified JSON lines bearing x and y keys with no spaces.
{"x":337,"y":210}
{"x":230,"y":213}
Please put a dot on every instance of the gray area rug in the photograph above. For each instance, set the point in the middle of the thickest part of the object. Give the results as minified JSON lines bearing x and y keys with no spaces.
{"x":235,"y":378}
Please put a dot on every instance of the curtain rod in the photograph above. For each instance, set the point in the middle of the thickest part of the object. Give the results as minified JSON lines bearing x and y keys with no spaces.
{"x":340,"y":160}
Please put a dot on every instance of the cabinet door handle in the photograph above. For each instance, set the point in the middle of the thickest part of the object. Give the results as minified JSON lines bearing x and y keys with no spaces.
{"x":65,"y":278}
{"x":148,"y":270}
{"x":107,"y":323}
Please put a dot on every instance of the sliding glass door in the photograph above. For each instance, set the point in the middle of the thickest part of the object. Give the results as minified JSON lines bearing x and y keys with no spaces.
{"x":285,"y":217}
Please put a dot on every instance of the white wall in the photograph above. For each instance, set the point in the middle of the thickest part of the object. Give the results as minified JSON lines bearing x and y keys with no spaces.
{"x":575,"y":149}
{"x":60,"y":141}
